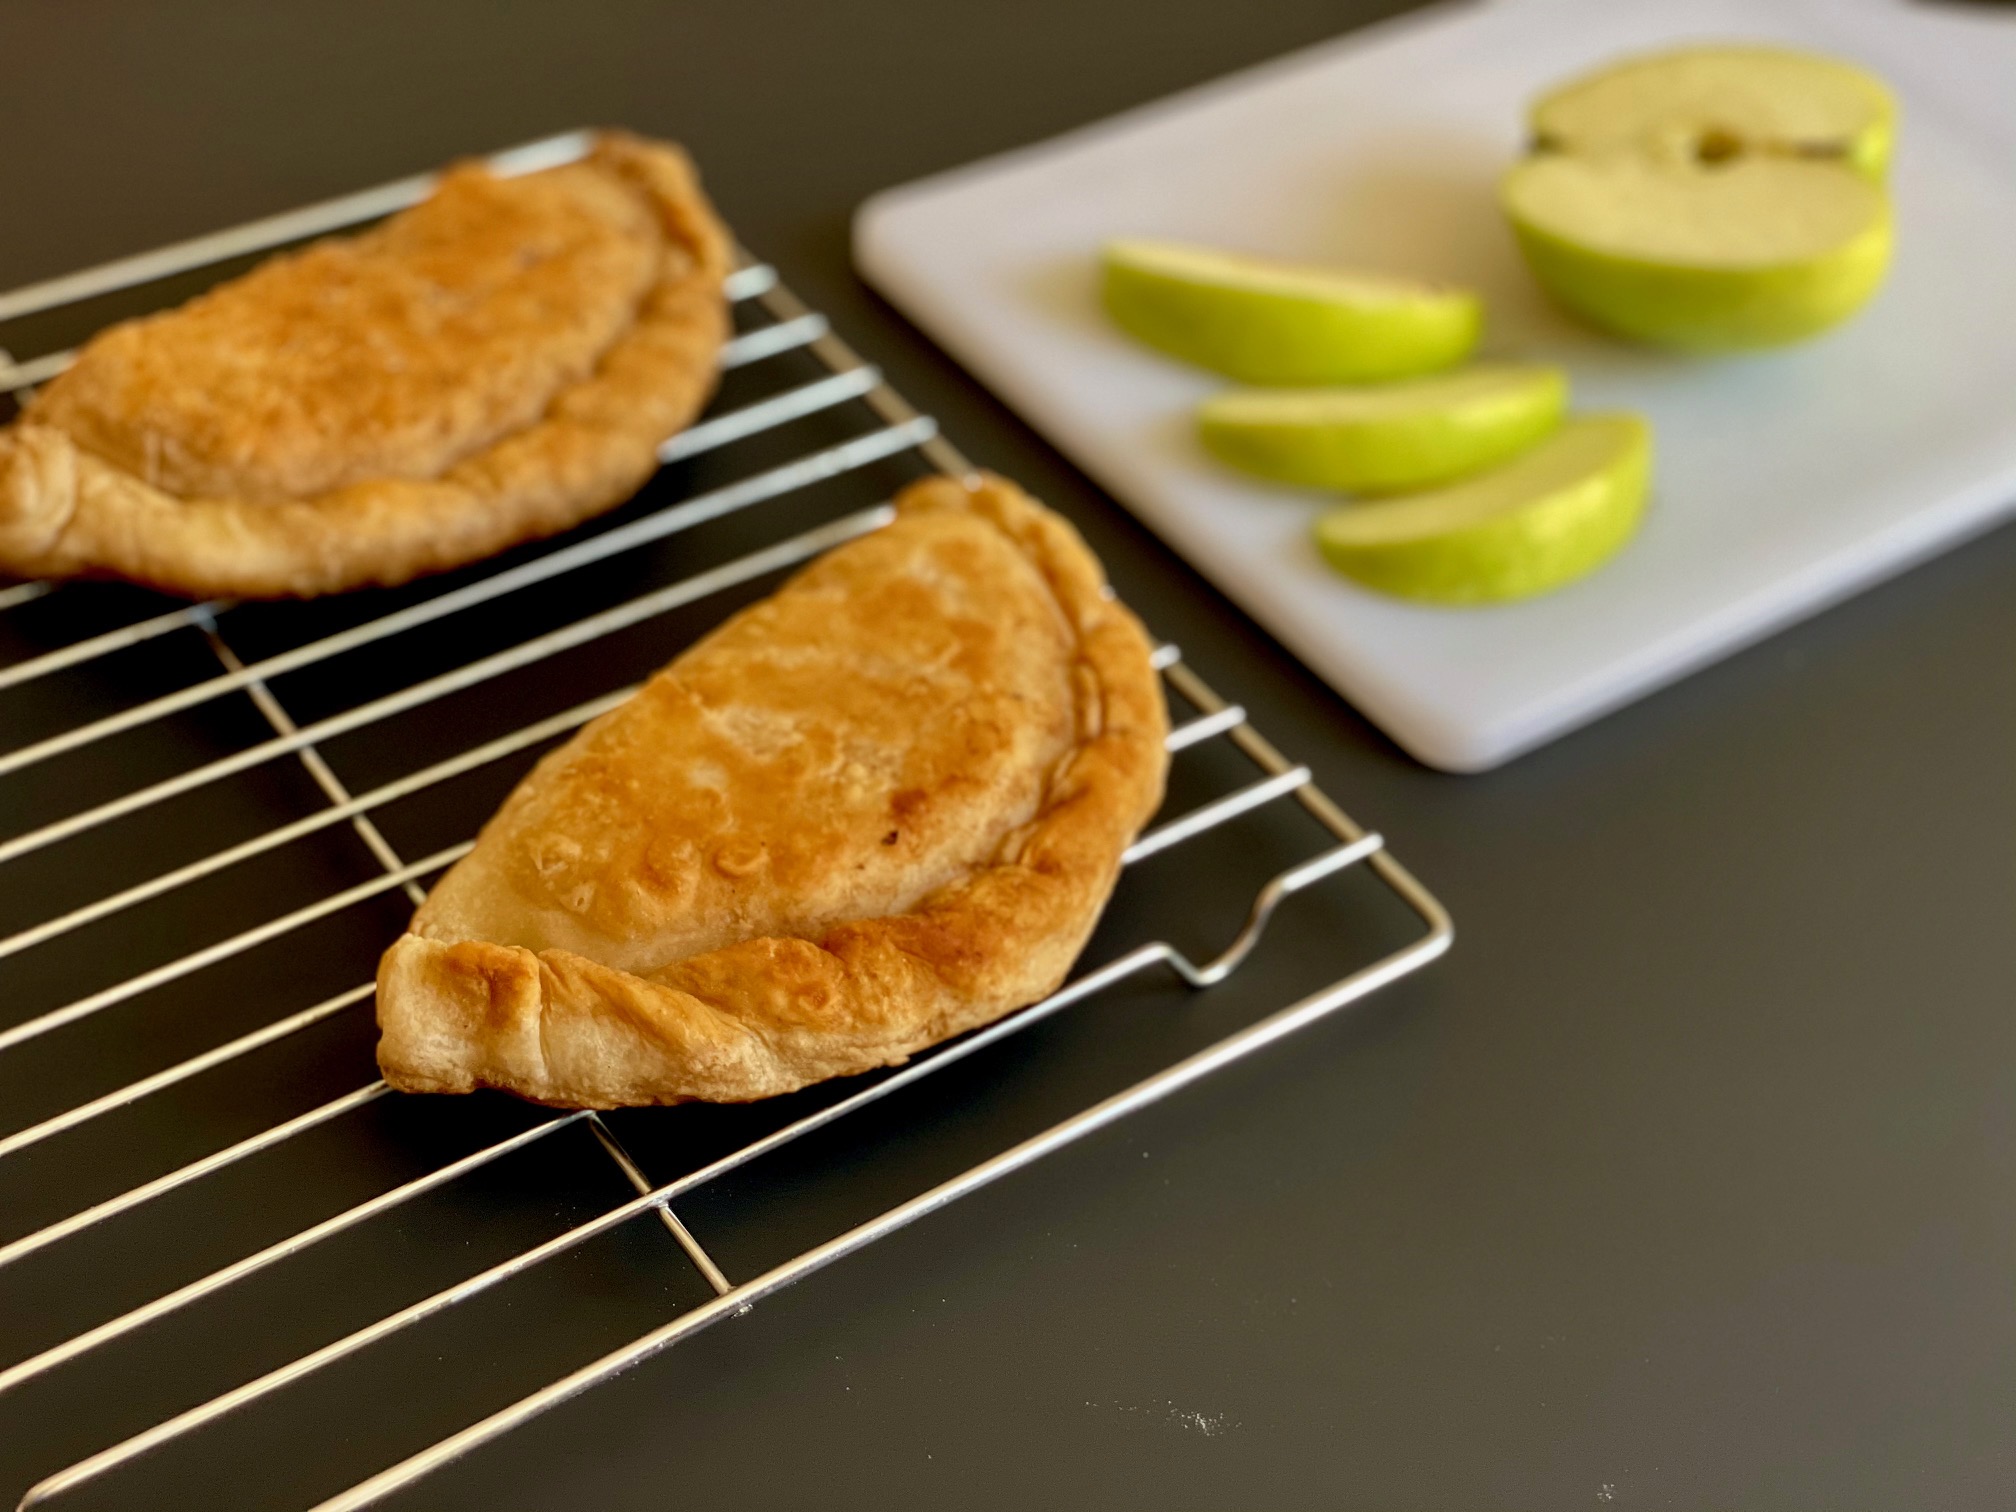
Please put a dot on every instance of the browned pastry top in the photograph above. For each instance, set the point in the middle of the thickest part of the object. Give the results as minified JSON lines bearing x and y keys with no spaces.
{"x":835,"y":752}
{"x":392,"y":354}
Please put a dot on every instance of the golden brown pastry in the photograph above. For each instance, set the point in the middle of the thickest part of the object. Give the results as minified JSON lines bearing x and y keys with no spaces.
{"x":880,"y":807}
{"x":494,"y":364}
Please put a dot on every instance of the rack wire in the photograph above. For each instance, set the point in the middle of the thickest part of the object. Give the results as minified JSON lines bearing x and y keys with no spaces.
{"x":104,"y":700}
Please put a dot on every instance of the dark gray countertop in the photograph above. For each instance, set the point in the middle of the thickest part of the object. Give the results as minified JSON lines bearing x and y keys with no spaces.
{"x":1684,"y":1182}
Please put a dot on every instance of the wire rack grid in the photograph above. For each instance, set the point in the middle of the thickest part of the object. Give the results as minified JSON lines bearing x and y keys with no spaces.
{"x":162,"y":939}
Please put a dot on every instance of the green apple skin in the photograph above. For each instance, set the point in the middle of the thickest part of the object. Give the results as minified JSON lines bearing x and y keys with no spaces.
{"x":1562,"y":535}
{"x":1869,"y":152}
{"x":1263,"y":337}
{"x":1703,"y":309}
{"x":1390,"y":453}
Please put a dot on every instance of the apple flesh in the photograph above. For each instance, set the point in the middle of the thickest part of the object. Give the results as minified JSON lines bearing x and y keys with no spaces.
{"x":1714,"y":103}
{"x":1710,"y":199}
{"x":1534,"y":525}
{"x":1387,"y":438}
{"x":1267,"y":322}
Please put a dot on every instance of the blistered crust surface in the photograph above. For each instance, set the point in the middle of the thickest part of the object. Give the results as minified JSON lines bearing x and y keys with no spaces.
{"x":878,"y":808}
{"x":492,"y":365}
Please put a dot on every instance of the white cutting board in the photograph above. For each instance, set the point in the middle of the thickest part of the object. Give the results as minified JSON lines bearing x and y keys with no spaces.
{"x":1785,"y":481}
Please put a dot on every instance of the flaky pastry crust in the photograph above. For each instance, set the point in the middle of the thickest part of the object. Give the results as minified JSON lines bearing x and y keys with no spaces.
{"x":493,"y":365}
{"x":885,"y":805}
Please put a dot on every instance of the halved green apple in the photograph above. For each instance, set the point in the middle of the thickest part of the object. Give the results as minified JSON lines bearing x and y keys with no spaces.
{"x":1710,"y":198}
{"x":1535,"y":524}
{"x":1388,"y":437}
{"x":1270,"y":322}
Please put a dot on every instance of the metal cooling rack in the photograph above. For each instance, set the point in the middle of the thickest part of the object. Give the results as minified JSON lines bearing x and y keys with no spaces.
{"x":129,"y":858}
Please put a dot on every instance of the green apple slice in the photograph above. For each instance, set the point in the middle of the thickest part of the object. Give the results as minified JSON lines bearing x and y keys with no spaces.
{"x":1268,"y":322}
{"x":1388,"y":438}
{"x":1711,"y":103}
{"x":1530,"y":527}
{"x":1711,"y":199}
